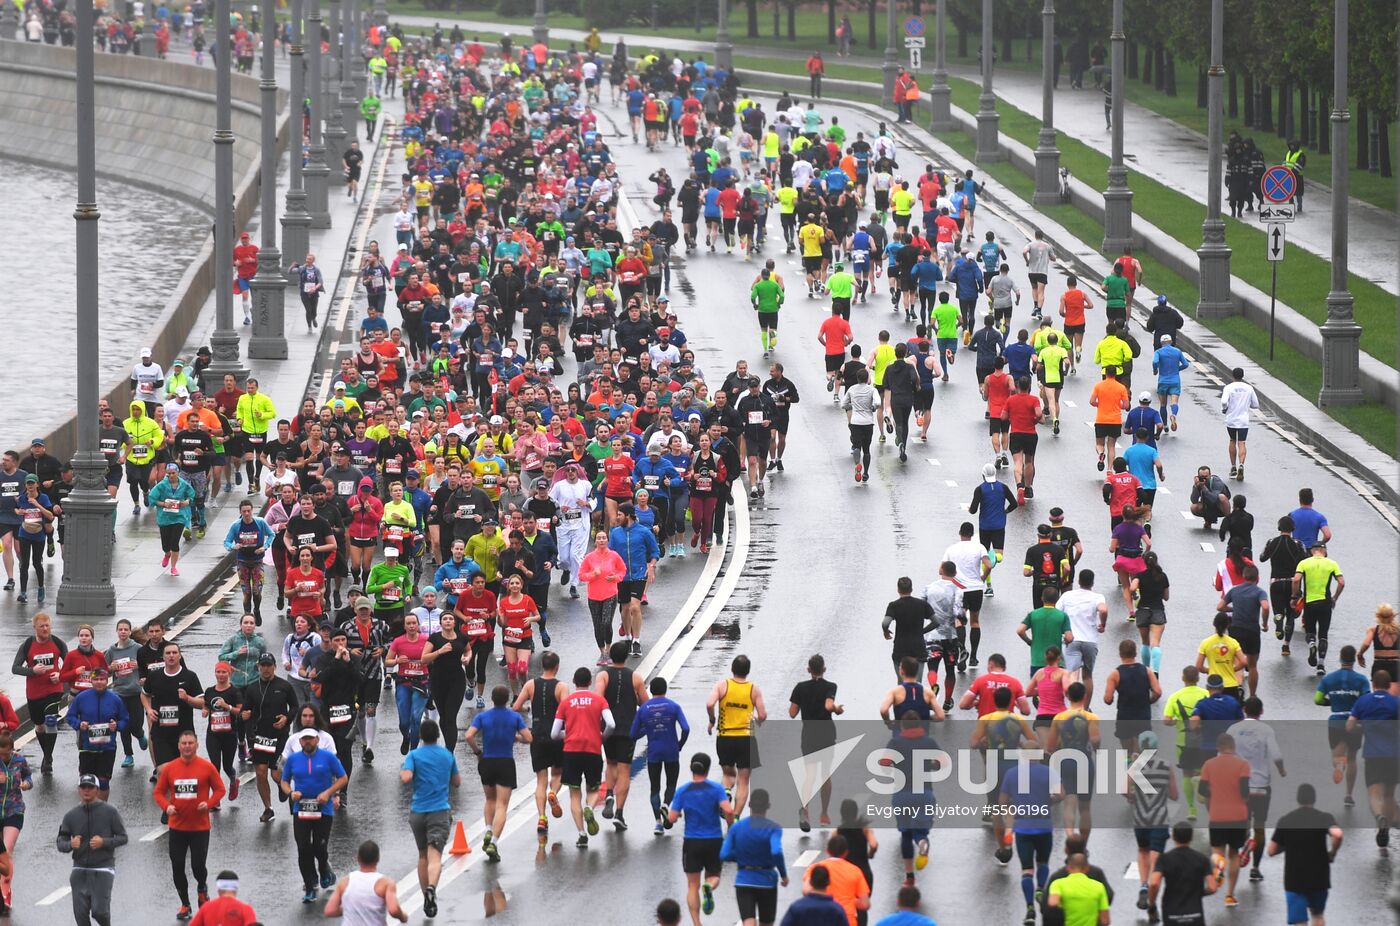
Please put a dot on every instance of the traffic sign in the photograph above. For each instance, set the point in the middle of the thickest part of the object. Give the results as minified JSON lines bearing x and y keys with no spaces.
{"x":916,"y":57}
{"x":912,"y":41}
{"x":1279,"y":184}
{"x":1277,"y":237}
{"x":914,"y":25}
{"x":1276,"y":212}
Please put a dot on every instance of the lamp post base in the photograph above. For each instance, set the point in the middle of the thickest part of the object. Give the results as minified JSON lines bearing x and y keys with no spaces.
{"x":1341,"y":345}
{"x":1118,"y":215}
{"x":86,"y":587}
{"x":1214,"y":257}
{"x":1047,"y":170}
{"x":317,"y":177}
{"x":988,"y":132}
{"x":268,"y":341}
{"x":940,"y":101}
{"x":296,"y":232}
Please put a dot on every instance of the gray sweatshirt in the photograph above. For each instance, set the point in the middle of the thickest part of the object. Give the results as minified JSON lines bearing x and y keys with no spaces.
{"x":88,"y":820}
{"x":123,"y":663}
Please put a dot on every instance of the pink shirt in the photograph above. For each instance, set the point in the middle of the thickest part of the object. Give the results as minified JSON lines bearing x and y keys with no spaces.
{"x":595,"y":569}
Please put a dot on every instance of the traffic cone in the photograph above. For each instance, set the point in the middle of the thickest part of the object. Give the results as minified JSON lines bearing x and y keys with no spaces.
{"x":460,"y":846}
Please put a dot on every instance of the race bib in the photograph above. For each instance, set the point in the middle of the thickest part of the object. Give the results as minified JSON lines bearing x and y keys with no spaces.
{"x":43,"y":663}
{"x":345,"y":487}
{"x":393,"y":466}
{"x":140,"y":450}
{"x":458,"y":585}
{"x":340,"y":714}
{"x":572,"y":515}
{"x":512,"y":634}
{"x":651,"y":483}
{"x":248,"y":538}
{"x":169,"y":715}
{"x":255,"y":439}
{"x":267,"y":744}
{"x":542,"y":524}
{"x":122,"y":667}
{"x":186,"y":789}
{"x":306,"y":540}
{"x":220,"y":722}
{"x":308,"y":588}
{"x":465,"y":511}
{"x":99,"y":734}
{"x":390,"y":594}
{"x":308,"y":288}
{"x":309,"y":809}
{"x":414,"y":668}
{"x":703,"y":483}
{"x":490,"y":480}
{"x":755,"y":417}
{"x":584,"y":340}
{"x":478,"y":628}
{"x":191,"y":457}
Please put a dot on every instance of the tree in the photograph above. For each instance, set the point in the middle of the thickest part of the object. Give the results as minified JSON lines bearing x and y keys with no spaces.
{"x":1372,"y":57}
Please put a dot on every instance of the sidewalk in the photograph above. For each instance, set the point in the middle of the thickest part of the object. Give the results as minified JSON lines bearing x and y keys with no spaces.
{"x":143,"y":588}
{"x":1155,"y":146}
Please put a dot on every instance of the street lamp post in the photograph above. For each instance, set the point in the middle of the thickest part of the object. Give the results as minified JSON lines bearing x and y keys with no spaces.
{"x":86,"y":586}
{"x":1047,"y":156}
{"x":988,"y":122}
{"x":333,"y":84}
{"x":940,"y":93}
{"x":1341,"y":335}
{"x":317,"y":174}
{"x":296,"y":221}
{"x":1117,"y":199}
{"x":890,"y":68}
{"x":349,"y":103}
{"x":1214,"y":254}
{"x":724,"y":49}
{"x":224,"y":343}
{"x":269,"y":285}
{"x":540,"y":28}
{"x":358,"y":71}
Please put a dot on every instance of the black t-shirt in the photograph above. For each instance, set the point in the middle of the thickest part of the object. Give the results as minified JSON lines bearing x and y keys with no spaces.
{"x":1152,"y":585}
{"x":810,"y":697}
{"x":267,"y":700}
{"x":1302,"y":834}
{"x":447,"y":668}
{"x":311,"y":532}
{"x":221,"y":715}
{"x":194,"y":450}
{"x":910,"y":616}
{"x":172,"y":714}
{"x":1043,"y":560}
{"x":1184,"y":872}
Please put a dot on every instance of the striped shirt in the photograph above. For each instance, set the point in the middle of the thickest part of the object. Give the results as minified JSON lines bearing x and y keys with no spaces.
{"x":1150,"y":807}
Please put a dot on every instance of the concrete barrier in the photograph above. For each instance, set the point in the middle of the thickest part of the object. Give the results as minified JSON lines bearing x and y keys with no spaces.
{"x":155,"y":124}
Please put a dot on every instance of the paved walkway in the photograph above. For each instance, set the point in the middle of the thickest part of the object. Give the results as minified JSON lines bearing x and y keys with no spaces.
{"x":1155,"y":145}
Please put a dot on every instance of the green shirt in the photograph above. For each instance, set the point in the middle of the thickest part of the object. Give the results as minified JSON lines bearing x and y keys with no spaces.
{"x":841,"y":284}
{"x":1317,"y":573}
{"x":1081,"y":898}
{"x":1115,"y":291}
{"x":382,"y":575}
{"x":1180,"y":706}
{"x":766,"y":296}
{"x":369,"y":107}
{"x":837,"y":134}
{"x":1048,"y":627}
{"x":1052,"y":356}
{"x":947,"y":316}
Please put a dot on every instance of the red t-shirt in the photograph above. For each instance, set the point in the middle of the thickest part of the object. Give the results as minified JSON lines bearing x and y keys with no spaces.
{"x":185,"y":785}
{"x":998,"y":391}
{"x":1074,"y":307}
{"x":307,"y":589}
{"x":690,"y":123}
{"x":225,"y":911}
{"x":1023,"y":411}
{"x":245,"y":260}
{"x":42,"y":658}
{"x":836,"y":329}
{"x":1122,"y":491}
{"x":516,"y":613}
{"x":985,"y":688}
{"x":411,"y":668}
{"x":478,"y":614}
{"x":582,"y":713}
{"x":728,"y":200}
{"x":947,"y":228}
{"x":618,"y":471}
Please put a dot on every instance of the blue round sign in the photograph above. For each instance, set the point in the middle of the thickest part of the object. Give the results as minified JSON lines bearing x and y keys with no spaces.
{"x":914,"y":26}
{"x":1279,"y":185}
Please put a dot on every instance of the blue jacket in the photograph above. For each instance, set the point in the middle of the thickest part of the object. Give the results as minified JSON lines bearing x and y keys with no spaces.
{"x":546,"y":551}
{"x":967,"y":276}
{"x":162,"y":491}
{"x":92,"y":708}
{"x":1167,"y":363}
{"x":237,"y":528}
{"x":312,"y":774}
{"x":637,"y":546}
{"x":928,"y":273}
{"x":756,"y":845}
{"x":449,"y":571}
{"x":657,"y":478}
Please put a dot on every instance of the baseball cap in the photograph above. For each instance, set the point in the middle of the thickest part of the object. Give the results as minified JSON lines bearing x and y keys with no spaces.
{"x":182,"y":391}
{"x":1161,"y":300}
{"x":267,"y":659}
{"x":1147,"y":739}
{"x":541,"y":483}
{"x":391,"y":551}
{"x":989,"y":473}
{"x":497,"y":419}
{"x":31,"y":477}
{"x":309,"y":733}
{"x":364,"y":604}
{"x":177,"y":362}
{"x":37,"y":442}
{"x":1043,"y":530}
{"x":1144,"y":397}
{"x":1166,"y":339}
{"x":145,"y":352}
{"x":88,"y":781}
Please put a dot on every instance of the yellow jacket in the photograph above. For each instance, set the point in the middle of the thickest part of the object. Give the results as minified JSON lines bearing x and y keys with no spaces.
{"x":255,"y":413}
{"x":146,"y":435}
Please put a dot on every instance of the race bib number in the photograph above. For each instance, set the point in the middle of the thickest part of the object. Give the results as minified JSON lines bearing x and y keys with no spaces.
{"x":122,"y":667}
{"x":169,"y":715}
{"x":191,"y":457}
{"x":543,"y":524}
{"x":755,"y":417}
{"x":490,"y":480}
{"x":393,"y":466}
{"x":140,"y":450}
{"x":255,"y":439}
{"x":703,"y":483}
{"x":248,"y":538}
{"x":572,"y":515}
{"x":458,"y":585}
{"x":306,"y":540}
{"x":513,"y":634}
{"x":478,"y":628}
{"x":584,"y":340}
{"x":309,"y":810}
{"x":220,"y":722}
{"x":99,"y":734}
{"x":186,"y":789}
{"x":390,"y":594}
{"x":43,"y":663}
{"x":308,"y":589}
{"x":376,"y":283}
{"x":340,"y":714}
{"x":414,"y":668}
{"x":265,"y":744}
{"x":465,"y":512}
{"x":345,"y":487}
{"x":308,"y":288}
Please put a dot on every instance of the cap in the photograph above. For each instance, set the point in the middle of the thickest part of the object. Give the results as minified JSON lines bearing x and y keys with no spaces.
{"x":1144,"y":397}
{"x":309,"y":733}
{"x":665,"y":299}
{"x":364,"y":604}
{"x":391,"y":551}
{"x":412,"y":474}
{"x":340,"y":387}
{"x":145,"y":352}
{"x":37,"y":442}
{"x":1318,"y":545}
{"x":489,"y":522}
{"x":88,"y":781}
{"x":338,"y":447}
{"x":1166,"y":339}
{"x":1161,"y":300}
{"x":1215,"y":681}
{"x":403,"y":247}
{"x":541,"y":483}
{"x":267,"y":659}
{"x":989,"y":473}
{"x":177,"y":362}
{"x":753,"y":381}
{"x":497,"y":419}
{"x":182,"y":391}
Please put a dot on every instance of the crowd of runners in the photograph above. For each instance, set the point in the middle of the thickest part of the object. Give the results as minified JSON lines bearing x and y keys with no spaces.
{"x":528,"y":413}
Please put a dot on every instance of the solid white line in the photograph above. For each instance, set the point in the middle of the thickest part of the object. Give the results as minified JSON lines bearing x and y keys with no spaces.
{"x":950,"y":483}
{"x":55,"y":897}
{"x":155,"y":834}
{"x":1188,"y":516}
{"x":1207,"y":547}
{"x":805,"y":859}
{"x":1068,"y":404}
{"x":934,"y":462}
{"x":721,"y":598}
{"x":683,"y":616}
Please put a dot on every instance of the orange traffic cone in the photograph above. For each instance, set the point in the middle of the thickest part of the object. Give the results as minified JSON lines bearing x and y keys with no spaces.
{"x":460,"y":846}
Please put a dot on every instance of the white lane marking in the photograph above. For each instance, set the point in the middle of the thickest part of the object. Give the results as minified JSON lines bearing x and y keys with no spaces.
{"x":54,"y":898}
{"x":1188,"y":516}
{"x":1207,"y":547}
{"x":683,"y":616}
{"x":1163,"y":490}
{"x":155,"y":834}
{"x":1068,"y":404}
{"x":1131,"y":874}
{"x":721,"y":597}
{"x":950,"y":483}
{"x":933,"y":462}
{"x":805,"y":859}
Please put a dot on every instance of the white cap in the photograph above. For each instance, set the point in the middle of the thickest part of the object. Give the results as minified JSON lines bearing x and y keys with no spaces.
{"x":989,"y":473}
{"x":497,"y":419}
{"x":1144,"y":397}
{"x":145,"y":352}
{"x":391,"y":551}
{"x":339,"y":387}
{"x":182,"y":391}
{"x":1166,"y":339}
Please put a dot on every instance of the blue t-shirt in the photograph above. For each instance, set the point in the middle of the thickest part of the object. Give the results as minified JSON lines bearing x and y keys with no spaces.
{"x":928,"y":274}
{"x":1343,"y":688}
{"x":1245,"y":602}
{"x":860,"y":250}
{"x":1217,"y":712}
{"x":698,"y":802}
{"x":432,"y":768}
{"x":657,"y":720}
{"x":1168,"y":362}
{"x":1028,"y":787}
{"x":905,"y":918}
{"x":990,"y":253}
{"x":712,"y":210}
{"x":1145,"y":417}
{"x":1378,"y":713}
{"x":1142,"y":460}
{"x":1307,"y":524}
{"x":313,"y":774}
{"x":635,"y":99}
{"x":498,"y":727}
{"x":836,"y":179}
{"x":1018,"y":358}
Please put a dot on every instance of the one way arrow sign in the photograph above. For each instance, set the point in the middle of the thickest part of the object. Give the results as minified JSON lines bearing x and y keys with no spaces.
{"x":1276,"y":238}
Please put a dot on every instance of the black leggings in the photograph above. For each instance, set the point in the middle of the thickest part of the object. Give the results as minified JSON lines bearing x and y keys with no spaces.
{"x":138,"y":480}
{"x":672,"y":768}
{"x":136,"y":724}
{"x":309,"y":303}
{"x":313,"y":838}
{"x":223,"y":751}
{"x":415,"y":335}
{"x":1317,"y":620}
{"x":38,"y":710}
{"x":861,"y":435}
{"x":448,"y":695}
{"x":345,"y":747}
{"x":170,"y":535}
{"x":476,"y":665}
{"x":196,"y":844}
{"x":900,"y":411}
{"x":602,"y":612}
{"x":927,"y":299}
{"x":31,"y":551}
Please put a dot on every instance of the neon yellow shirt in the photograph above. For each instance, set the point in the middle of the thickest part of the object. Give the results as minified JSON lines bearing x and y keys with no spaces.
{"x":787,"y":200}
{"x":901,"y":201}
{"x":882,"y":358}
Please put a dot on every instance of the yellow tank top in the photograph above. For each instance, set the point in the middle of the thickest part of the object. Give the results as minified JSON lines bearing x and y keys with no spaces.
{"x":489,"y":476}
{"x":736,"y":709}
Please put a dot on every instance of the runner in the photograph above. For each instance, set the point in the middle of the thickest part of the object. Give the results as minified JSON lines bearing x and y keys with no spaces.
{"x":1028,"y":791}
{"x":1375,"y":714}
{"x":1256,"y":743}
{"x":974,"y":567}
{"x":1312,"y":588}
{"x":860,"y":402}
{"x":1168,"y":362}
{"x":225,"y":909}
{"x":405,"y":657}
{"x":1073,"y":304}
{"x":1224,"y":784}
{"x":1037,"y":254}
{"x":432,"y":770}
{"x":15,"y":779}
{"x":735,"y":706}
{"x":835,"y":336}
{"x":98,"y":715}
{"x":1237,"y":399}
{"x":658,"y":719}
{"x":268,"y":703}
{"x":40,"y":660}
{"x":189,"y":787}
{"x":705,"y":805}
{"x":92,"y":832}
{"x":1023,"y":412}
{"x":366,"y":896}
{"x":582,"y":721}
{"x":1111,"y":399}
{"x":622,"y":690}
{"x":1309,"y":839}
{"x":992,"y":501}
{"x":311,"y":781}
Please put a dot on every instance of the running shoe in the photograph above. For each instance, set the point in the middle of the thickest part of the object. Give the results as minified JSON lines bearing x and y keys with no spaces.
{"x":1030,"y":914}
{"x":1230,"y":901}
{"x":481,"y":704}
{"x":1173,"y":420}
{"x":328,"y":880}
{"x":859,"y":472}
{"x":619,"y":823}
{"x":921,"y":856}
{"x":367,"y":756}
{"x":232,"y":787}
{"x":164,"y":562}
{"x":1382,"y":832}
{"x":609,"y":803}
{"x":1002,"y":854}
{"x":1142,"y":903}
{"x":707,"y":898}
{"x":804,"y":821}
{"x":184,"y":913}
{"x":659,"y":829}
{"x":590,"y":822}
{"x":267,"y":816}
{"x":430,"y":906}
{"x":1256,"y":875}
{"x":1234,"y":470}
{"x":554,"y":808}
{"x":1312,"y":653}
{"x":488,"y":845}
{"x":308,"y":895}
{"x":129,"y":762}
{"x":889,"y":425}
{"x":1101,"y":459}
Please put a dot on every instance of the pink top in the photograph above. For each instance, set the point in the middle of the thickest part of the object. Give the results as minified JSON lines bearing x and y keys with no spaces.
{"x":1050,"y":688}
{"x":596,"y":569}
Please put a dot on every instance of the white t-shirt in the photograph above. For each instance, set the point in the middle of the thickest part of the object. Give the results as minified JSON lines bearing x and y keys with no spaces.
{"x":590,"y":70}
{"x":270,"y":479}
{"x":801,"y":174}
{"x":1038,"y":257}
{"x":967,"y":555}
{"x":1236,"y":399}
{"x":1256,"y":743}
{"x":884,"y":147}
{"x":1081,"y":606}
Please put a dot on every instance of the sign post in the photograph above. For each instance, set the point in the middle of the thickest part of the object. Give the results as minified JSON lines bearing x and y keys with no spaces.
{"x":1276,"y":238}
{"x":915,"y":44}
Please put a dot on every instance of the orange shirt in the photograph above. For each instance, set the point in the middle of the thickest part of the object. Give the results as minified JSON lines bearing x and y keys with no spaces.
{"x":1074,"y":306}
{"x":1224,"y":774}
{"x":1111,"y":395}
{"x":836,"y":329}
{"x":848,"y":166}
{"x":998,"y":387}
{"x":847,"y":883}
{"x":210,"y":419}
{"x":185,"y":785}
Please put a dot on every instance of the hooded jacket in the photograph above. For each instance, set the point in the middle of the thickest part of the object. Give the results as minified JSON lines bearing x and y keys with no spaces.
{"x":146,"y":435}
